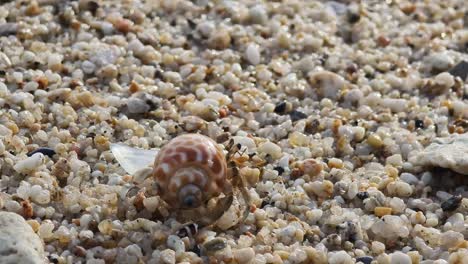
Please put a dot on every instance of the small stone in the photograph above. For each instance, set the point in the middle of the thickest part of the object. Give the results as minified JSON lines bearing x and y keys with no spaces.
{"x":415,"y":257}
{"x":311,"y":167}
{"x":418,"y":218}
{"x":251,"y":175}
{"x":452,"y":203}
{"x":381,"y":211}
{"x":258,"y":15}
{"x":29,"y":164}
{"x":175,"y":243}
{"x":297,"y":139}
{"x":7,"y":29}
{"x":418,"y":123}
{"x":168,"y":256}
{"x":397,"y":205}
{"x":390,"y":227}
{"x":151,"y":203}
{"x":460,"y":70}
{"x":375,"y":141}
{"x":214,"y":245}
{"x":400,"y":189}
{"x":44,"y":150}
{"x":19,"y":243}
{"x":220,"y":39}
{"x":340,"y":257}
{"x":271,"y":149}
{"x":444,"y":80}
{"x":439,"y":62}
{"x":252,"y":54}
{"x":399,"y":258}
{"x":409,"y":178}
{"x":88,"y":67}
{"x":395,"y":160}
{"x":335,"y":163}
{"x":137,"y":106}
{"x":244,"y":255}
{"x":451,"y":239}
{"x":377,"y":247}
{"x":297,"y":115}
{"x":280,"y":108}
{"x":328,"y":84}
{"x":383,"y":41}
{"x":364,"y":260}
{"x":322,"y":189}
{"x":362,"y":195}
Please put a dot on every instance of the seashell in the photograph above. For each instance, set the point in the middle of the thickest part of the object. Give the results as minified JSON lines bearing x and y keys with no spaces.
{"x":190,"y":174}
{"x":190,"y":169}
{"x":132,"y":159}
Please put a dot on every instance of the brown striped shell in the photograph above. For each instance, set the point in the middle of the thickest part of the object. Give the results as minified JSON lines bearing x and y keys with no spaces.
{"x":189,"y":170}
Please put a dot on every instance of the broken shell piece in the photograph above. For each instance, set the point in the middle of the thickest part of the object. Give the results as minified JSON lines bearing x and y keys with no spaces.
{"x":450,"y":153}
{"x":132,"y":159}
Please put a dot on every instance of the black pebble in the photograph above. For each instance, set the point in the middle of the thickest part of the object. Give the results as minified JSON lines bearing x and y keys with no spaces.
{"x":280,"y":108}
{"x":196,"y":250}
{"x":191,"y":24}
{"x":419,"y":123}
{"x":264,"y":203}
{"x":297,"y":115}
{"x":189,"y":230}
{"x":365,"y":260}
{"x":452,"y":203}
{"x":362,"y":195}
{"x":279,"y":169}
{"x":460,"y":70}
{"x":93,"y":7}
{"x":353,"y":17}
{"x":46,"y":151}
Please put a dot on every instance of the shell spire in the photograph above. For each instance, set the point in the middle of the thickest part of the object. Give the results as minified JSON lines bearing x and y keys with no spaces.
{"x":189,"y":170}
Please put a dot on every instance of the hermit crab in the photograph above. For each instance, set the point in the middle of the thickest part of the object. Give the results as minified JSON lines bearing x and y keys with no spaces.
{"x":190,"y":172}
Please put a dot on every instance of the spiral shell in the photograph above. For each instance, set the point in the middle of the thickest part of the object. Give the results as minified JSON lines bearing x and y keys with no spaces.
{"x":189,"y":170}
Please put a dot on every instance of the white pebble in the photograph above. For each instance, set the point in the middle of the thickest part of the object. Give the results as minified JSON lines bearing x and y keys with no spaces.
{"x":134,"y":250}
{"x":151,"y":203}
{"x":270,"y":148}
{"x":258,"y":14}
{"x":86,"y":234}
{"x":395,"y":160}
{"x":409,"y":178}
{"x":29,"y":164}
{"x":340,"y":257}
{"x":252,"y":54}
{"x":451,"y":239}
{"x":168,"y":256}
{"x":243,"y":255}
{"x":88,"y":67}
{"x":13,"y":206}
{"x":399,"y":258}
{"x":377,"y":247}
{"x":175,"y":243}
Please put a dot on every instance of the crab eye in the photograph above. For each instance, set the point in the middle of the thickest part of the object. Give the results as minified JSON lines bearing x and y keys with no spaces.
{"x":190,"y":196}
{"x":190,"y":201}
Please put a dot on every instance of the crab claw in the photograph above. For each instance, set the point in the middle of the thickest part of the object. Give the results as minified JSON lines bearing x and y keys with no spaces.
{"x":208,"y":214}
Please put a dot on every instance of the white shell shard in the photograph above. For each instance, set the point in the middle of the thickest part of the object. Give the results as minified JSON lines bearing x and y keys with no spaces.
{"x":450,"y":152}
{"x":133,"y":159}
